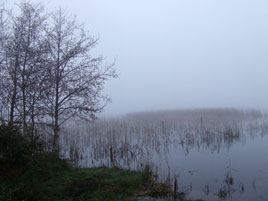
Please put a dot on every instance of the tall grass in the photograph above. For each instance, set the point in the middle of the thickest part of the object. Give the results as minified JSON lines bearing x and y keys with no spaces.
{"x":136,"y":140}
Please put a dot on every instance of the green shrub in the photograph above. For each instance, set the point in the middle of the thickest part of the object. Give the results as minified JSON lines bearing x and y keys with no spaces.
{"x":25,"y":169}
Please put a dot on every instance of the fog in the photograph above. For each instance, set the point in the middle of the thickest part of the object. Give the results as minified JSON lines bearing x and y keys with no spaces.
{"x":179,"y":53}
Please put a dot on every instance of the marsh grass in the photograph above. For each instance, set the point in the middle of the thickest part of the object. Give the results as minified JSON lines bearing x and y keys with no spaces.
{"x":28,"y":173}
{"x":136,"y":140}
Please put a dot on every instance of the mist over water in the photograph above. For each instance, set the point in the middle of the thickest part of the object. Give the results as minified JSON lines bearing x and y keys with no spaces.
{"x":173,"y":57}
{"x":213,"y":154}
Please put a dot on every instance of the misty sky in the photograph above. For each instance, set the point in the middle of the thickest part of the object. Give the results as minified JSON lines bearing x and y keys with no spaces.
{"x":175,"y":54}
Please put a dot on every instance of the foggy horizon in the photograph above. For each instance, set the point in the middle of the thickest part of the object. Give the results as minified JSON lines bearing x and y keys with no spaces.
{"x":188,"y":83}
{"x":179,"y":54}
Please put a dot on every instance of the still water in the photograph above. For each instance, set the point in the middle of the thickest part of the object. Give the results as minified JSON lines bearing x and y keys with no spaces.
{"x":213,"y":154}
{"x":237,"y":173}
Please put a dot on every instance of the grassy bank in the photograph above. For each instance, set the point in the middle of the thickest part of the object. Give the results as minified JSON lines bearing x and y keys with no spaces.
{"x":28,"y":173}
{"x":80,"y":184}
{"x":54,"y":180}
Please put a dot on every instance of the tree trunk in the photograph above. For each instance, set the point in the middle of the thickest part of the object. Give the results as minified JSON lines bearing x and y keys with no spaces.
{"x":14,"y":95}
{"x":56,"y":127}
{"x":56,"y":111}
{"x":56,"y":149}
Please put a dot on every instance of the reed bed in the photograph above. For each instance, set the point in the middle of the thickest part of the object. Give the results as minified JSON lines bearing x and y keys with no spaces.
{"x":139,"y":139}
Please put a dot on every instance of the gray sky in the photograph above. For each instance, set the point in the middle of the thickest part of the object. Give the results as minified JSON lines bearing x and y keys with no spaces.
{"x":180,"y":53}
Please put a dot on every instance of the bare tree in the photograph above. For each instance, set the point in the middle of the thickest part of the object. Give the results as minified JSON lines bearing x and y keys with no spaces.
{"x":7,"y":76}
{"x":32,"y":44}
{"x":2,"y":55}
{"x":2,"y":33}
{"x":48,"y":74}
{"x":23,"y":65}
{"x":76,"y":78}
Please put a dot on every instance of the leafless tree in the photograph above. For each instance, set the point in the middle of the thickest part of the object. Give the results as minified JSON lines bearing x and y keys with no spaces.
{"x":29,"y":27}
{"x":24,"y":62}
{"x":2,"y":55}
{"x":48,"y":74}
{"x":5,"y":76}
{"x":76,"y":78}
{"x":2,"y":33}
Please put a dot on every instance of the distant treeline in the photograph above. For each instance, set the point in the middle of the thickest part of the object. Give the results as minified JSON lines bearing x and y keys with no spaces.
{"x":220,"y":114}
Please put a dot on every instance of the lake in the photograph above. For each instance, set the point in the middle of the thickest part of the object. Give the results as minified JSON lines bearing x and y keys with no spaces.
{"x":213,"y":154}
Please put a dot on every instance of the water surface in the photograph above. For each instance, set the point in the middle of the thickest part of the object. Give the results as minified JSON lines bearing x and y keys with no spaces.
{"x":213,"y":154}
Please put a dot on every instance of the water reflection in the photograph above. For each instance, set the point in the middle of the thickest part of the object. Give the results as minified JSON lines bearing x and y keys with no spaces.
{"x":209,"y":154}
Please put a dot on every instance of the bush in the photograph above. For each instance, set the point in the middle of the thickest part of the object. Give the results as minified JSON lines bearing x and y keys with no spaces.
{"x":24,"y":166}
{"x":15,"y":149}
